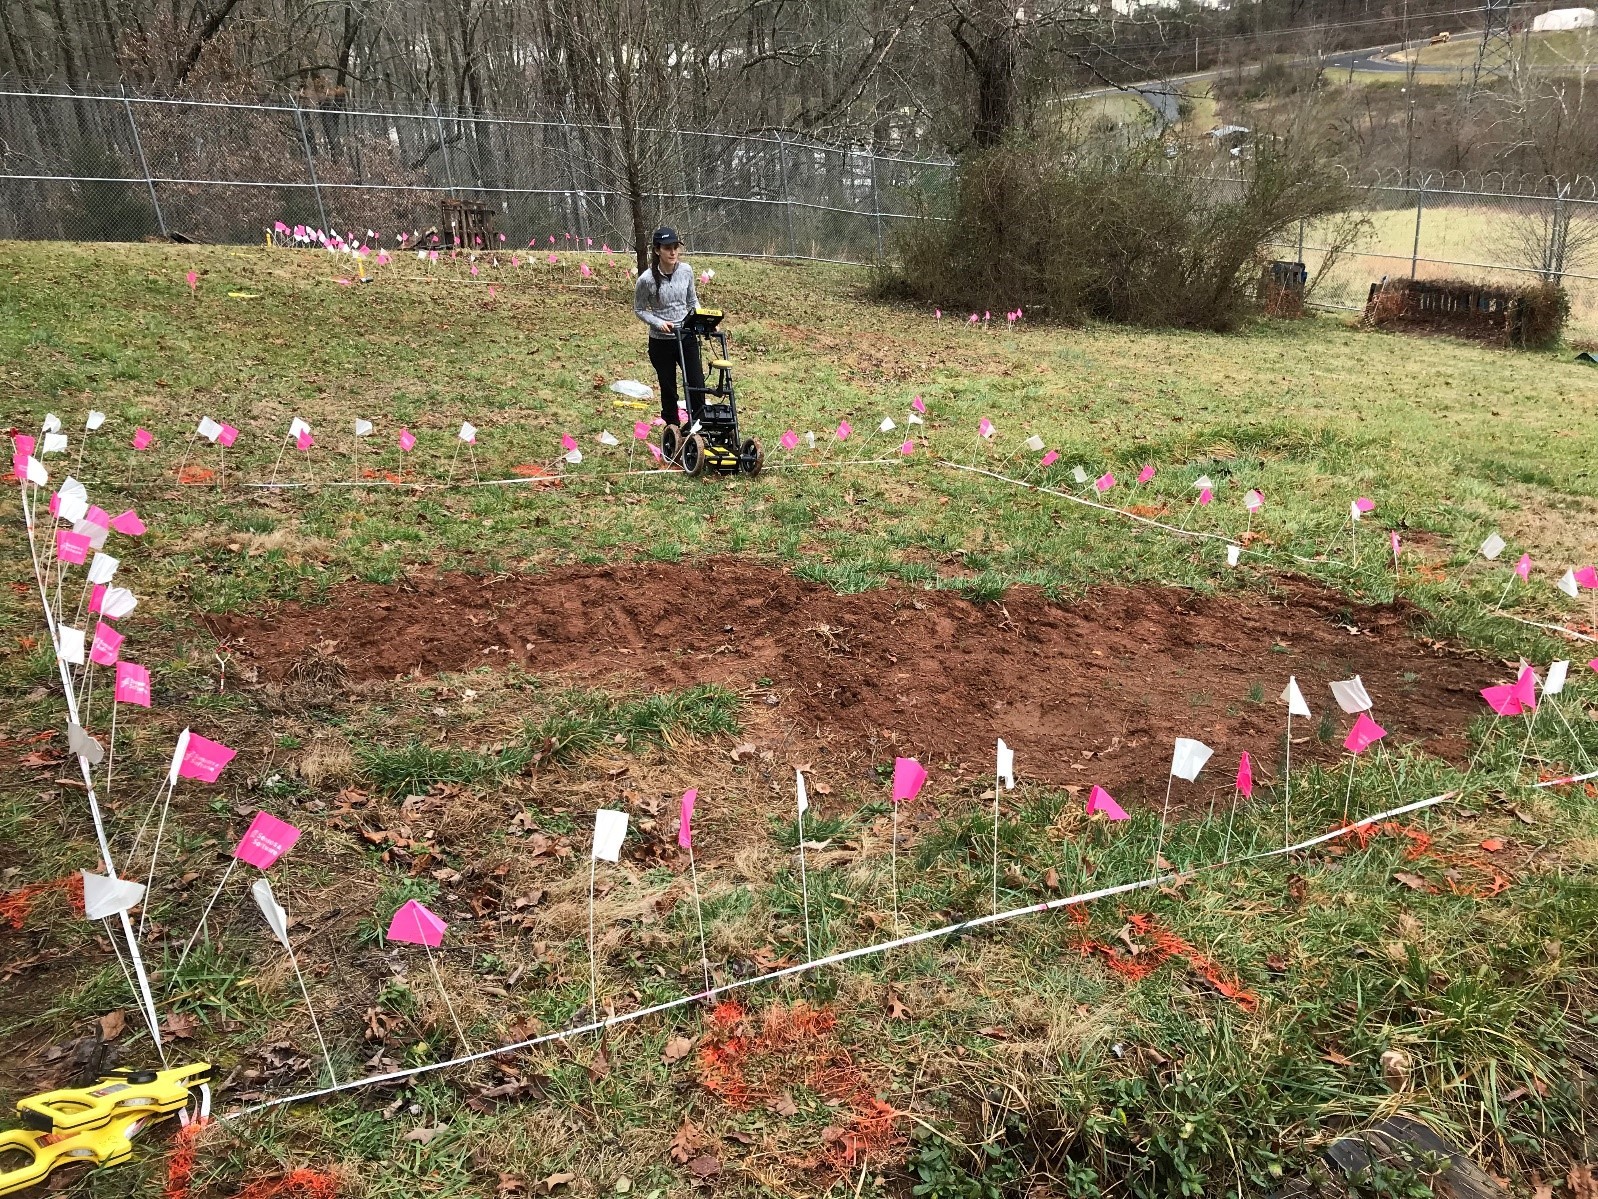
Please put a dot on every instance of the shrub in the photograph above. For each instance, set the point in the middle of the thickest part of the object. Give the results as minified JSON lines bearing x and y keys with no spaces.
{"x":1537,"y":316}
{"x":1072,"y":230}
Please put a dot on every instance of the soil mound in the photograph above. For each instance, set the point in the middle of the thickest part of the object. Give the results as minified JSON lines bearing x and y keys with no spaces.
{"x":1089,"y":691}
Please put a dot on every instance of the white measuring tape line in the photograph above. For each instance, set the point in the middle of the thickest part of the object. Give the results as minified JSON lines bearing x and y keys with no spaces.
{"x":831,"y":960}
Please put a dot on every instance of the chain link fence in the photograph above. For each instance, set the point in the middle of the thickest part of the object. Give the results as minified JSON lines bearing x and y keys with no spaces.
{"x":119,"y":168}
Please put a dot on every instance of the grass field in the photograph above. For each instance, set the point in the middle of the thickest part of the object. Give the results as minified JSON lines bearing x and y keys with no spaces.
{"x":1212,"y":1035}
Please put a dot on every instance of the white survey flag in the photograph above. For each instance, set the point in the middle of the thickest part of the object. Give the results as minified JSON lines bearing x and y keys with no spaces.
{"x":608,"y":438}
{"x":1233,"y":553}
{"x":209,"y":429}
{"x":887,"y":425}
{"x":1492,"y":547}
{"x":610,"y":827}
{"x":276,"y":918}
{"x":54,"y":443}
{"x":631,"y":388}
{"x":94,"y":421}
{"x":363,"y":428}
{"x":1034,"y":443}
{"x":1188,"y":758}
{"x":1555,"y":682}
{"x":1351,"y":695}
{"x":574,"y":456}
{"x":1294,"y":699}
{"x":804,"y":797}
{"x":1080,"y":475}
{"x":106,"y":896}
{"x":297,"y":426}
{"x":83,"y":745}
{"x":1006,"y":765}
{"x":102,"y":566}
{"x":117,"y":602}
{"x":1202,"y":483}
{"x":178,"y":751}
{"x":914,"y":419}
{"x":1353,"y":511}
{"x":70,"y":643}
{"x":37,"y":475}
{"x":468,"y":432}
{"x":52,"y":423}
{"x":1567,"y":584}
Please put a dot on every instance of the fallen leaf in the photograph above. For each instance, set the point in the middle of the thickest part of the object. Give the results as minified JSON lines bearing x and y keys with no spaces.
{"x":1051,"y":879}
{"x":180,"y":1025}
{"x":684,"y":1143}
{"x":896,"y":1007}
{"x":1581,"y":1183}
{"x":1413,"y":881}
{"x":510,"y":1184}
{"x":1395,"y":1068}
{"x":705,"y":1166}
{"x":600,"y":1066}
{"x":1525,"y":819}
{"x":995,"y":1032}
{"x":784,"y":1105}
{"x":111,"y":1025}
{"x":423,"y":1135}
{"x":548,"y":1185}
{"x":743,"y":751}
{"x":1337,"y":1059}
{"x":1493,"y":844}
{"x":676,"y":1049}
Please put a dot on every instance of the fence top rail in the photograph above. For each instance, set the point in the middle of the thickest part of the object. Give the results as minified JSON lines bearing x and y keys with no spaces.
{"x":1484,"y":183}
{"x":801,"y":142}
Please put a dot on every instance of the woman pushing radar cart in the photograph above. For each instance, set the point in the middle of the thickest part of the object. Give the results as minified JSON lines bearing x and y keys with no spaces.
{"x":666,"y":300}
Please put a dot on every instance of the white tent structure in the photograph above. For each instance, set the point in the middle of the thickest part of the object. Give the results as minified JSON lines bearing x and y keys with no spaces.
{"x":1564,"y":18}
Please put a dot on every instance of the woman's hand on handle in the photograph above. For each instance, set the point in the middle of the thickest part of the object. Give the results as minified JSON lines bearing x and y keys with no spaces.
{"x":667,"y":326}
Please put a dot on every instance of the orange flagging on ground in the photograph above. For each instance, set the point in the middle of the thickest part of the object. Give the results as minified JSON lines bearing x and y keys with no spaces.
{"x":753,"y":1060}
{"x":296,"y":1184}
{"x":16,"y":905}
{"x":1162,"y":946}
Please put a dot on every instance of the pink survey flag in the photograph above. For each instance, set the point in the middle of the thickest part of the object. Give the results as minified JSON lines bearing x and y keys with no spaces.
{"x":193,"y":280}
{"x":133,"y":684}
{"x":1393,"y":537}
{"x":1587,"y":576}
{"x":1523,"y":567}
{"x":1245,"y":776}
{"x":415,"y":925}
{"x":265,"y":841}
{"x":1525,"y":689}
{"x":407,"y":440}
{"x":107,"y":645}
{"x":918,"y":405}
{"x":22,"y":444}
{"x":204,"y":759}
{"x":142,"y":439}
{"x":640,"y":430}
{"x":128,"y":524}
{"x":1101,"y":803}
{"x":1050,"y":458}
{"x":685,"y":819}
{"x":908,"y":448}
{"x":304,"y":441}
{"x":1365,"y":504}
{"x":1144,"y":475}
{"x":1365,"y":733}
{"x":1206,"y":496}
{"x":844,"y":429}
{"x":908,"y":778}
{"x":789,"y":440}
{"x":71,"y":547}
{"x":1593,"y":665}
{"x":227,"y":436}
{"x":1503,"y":699}
{"x":984,"y":427}
{"x":1104,"y":482}
{"x":96,"y":598}
{"x":568,"y":442}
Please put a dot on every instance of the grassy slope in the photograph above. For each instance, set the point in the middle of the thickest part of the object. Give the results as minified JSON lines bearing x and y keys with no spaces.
{"x":1451,"y":440}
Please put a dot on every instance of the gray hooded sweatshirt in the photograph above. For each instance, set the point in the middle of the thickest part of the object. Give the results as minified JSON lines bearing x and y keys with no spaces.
{"x":674,"y":299}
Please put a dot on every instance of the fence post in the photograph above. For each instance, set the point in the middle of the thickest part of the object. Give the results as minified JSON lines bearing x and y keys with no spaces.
{"x":575,"y":194}
{"x":782,"y":177}
{"x":443,"y":148}
{"x":310,"y":165}
{"x":876,"y":202}
{"x":1414,"y":252}
{"x":138,"y":148}
{"x":1300,"y":242}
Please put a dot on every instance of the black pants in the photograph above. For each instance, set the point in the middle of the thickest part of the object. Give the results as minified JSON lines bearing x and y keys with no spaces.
{"x":663,"y":357}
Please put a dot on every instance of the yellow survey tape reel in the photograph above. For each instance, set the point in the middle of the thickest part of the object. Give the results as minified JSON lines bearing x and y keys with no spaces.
{"x":119,"y":1093}
{"x":111,"y":1144}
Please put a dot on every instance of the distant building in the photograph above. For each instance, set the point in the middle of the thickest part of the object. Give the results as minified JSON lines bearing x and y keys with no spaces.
{"x":1129,"y":8}
{"x":1565,"y":18}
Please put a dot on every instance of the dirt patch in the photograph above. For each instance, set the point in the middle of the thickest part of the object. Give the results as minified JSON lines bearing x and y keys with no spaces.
{"x":1090,"y":691}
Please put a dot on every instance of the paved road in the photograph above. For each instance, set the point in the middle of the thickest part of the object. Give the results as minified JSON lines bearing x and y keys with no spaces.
{"x":1163,"y":95}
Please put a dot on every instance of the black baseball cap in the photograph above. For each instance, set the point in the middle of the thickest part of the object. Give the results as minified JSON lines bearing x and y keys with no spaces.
{"x":666,"y":236}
